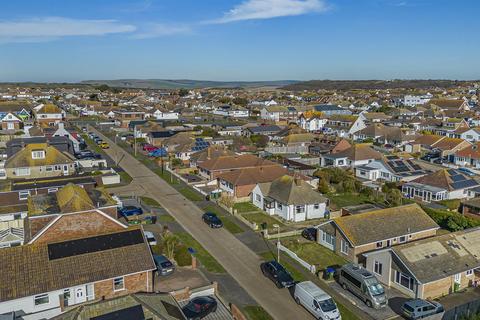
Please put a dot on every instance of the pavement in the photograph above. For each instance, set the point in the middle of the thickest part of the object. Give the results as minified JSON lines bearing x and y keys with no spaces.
{"x":237,"y":259}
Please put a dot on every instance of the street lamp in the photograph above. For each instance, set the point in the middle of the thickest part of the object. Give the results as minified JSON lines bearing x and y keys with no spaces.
{"x":276,"y":226}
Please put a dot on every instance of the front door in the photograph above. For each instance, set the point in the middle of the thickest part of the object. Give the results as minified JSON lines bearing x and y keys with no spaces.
{"x":65,"y":169}
{"x":80,"y":295}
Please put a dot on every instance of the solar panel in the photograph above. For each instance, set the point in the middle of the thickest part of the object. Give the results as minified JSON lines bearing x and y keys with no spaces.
{"x":130,"y":313}
{"x":94,"y":244}
{"x":464,"y":184}
{"x":457,"y":178}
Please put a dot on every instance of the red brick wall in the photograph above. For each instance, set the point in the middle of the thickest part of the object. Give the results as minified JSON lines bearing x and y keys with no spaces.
{"x":133,"y":283}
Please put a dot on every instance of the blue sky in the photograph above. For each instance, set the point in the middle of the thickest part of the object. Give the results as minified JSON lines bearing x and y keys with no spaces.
{"x":67,"y":40}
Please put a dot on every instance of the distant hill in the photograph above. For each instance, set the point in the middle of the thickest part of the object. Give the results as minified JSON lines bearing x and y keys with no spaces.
{"x":187,"y":84}
{"x":371,"y":84}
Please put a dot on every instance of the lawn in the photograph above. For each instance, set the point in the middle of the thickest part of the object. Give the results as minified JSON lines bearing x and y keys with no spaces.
{"x":202,"y":255}
{"x":244,"y":207}
{"x":228,"y":221}
{"x":346,"y":313}
{"x":167,"y":176}
{"x":259,"y":218}
{"x":297,"y":275}
{"x":313,"y":253}
{"x":165,"y":218}
{"x":190,"y":194}
{"x":256,"y":313}
{"x":125,"y":177}
{"x":339,"y":201}
{"x":150,"y":202}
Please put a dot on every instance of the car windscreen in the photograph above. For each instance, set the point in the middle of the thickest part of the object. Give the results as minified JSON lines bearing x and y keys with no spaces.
{"x":374,"y":287}
{"x":408,"y":307}
{"x":166,"y":264}
{"x":327,"y":305}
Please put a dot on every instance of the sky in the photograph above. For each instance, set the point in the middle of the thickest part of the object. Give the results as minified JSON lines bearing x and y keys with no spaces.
{"x":228,"y":40}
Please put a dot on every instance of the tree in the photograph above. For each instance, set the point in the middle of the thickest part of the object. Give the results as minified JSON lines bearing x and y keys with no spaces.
{"x":240,"y":101}
{"x":209,"y":132}
{"x":170,"y":241}
{"x":183,"y":92}
{"x":260,"y":141}
{"x":394,"y":197}
{"x":323,"y":186}
{"x":225,"y":100}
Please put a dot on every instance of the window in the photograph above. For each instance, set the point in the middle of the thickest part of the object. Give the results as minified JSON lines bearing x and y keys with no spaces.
{"x":49,"y":168}
{"x":22,"y":171}
{"x":41,"y":299}
{"x":377,"y":267}
{"x":380,"y":244}
{"x":38,"y":154}
{"x":389,"y":243}
{"x":52,"y":190}
{"x":404,"y":280}
{"x":17,"y":216}
{"x":23,"y":195}
{"x":469,"y":272}
{"x":279,"y":206}
{"x":402,"y":239}
{"x":343,"y":247}
{"x":300,"y":209}
{"x":258,"y":197}
{"x":118,"y":284}
{"x":316,"y":206}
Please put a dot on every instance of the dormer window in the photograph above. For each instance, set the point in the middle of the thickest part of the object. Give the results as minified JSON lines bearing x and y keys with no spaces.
{"x":38,"y":154}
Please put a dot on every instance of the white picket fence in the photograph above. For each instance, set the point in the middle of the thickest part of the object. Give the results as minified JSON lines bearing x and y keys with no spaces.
{"x":293,"y":255}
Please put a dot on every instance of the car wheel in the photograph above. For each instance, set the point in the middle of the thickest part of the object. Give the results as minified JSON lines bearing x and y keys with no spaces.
{"x":369,"y":303}
{"x":344,"y":286}
{"x":279,"y":285}
{"x":297,"y":300}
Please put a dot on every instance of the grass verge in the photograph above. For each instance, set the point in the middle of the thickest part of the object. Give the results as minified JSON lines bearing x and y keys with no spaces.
{"x":244,"y":207}
{"x":167,"y":176}
{"x":190,"y":194}
{"x":165,"y":218}
{"x":205,"y":258}
{"x":150,"y":202}
{"x":125,"y":177}
{"x":256,"y":313}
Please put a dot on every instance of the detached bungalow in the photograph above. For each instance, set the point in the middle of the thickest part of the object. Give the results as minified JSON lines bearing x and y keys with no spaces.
{"x":356,"y":155}
{"x":289,"y":198}
{"x":352,"y":235}
{"x":429,"y":268}
{"x":444,"y":184}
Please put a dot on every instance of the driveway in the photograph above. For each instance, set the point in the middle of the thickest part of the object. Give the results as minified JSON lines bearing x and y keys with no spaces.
{"x":239,"y":261}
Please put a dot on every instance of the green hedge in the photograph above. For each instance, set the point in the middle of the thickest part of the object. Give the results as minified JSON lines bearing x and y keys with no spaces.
{"x":451,"y":221}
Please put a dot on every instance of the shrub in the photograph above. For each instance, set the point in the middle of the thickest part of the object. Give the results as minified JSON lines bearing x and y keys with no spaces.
{"x":182,"y":256}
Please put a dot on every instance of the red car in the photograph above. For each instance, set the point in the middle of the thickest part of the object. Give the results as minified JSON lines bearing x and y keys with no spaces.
{"x":149,"y":148}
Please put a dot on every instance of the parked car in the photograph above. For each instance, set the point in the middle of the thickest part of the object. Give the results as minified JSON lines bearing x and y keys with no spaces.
{"x":467,"y":171}
{"x":200,"y":307}
{"x":310,"y":234}
{"x":164,"y":266}
{"x":363,"y":284}
{"x":149,"y":148}
{"x":128,"y":211}
{"x":84,"y":129}
{"x":418,"y":308}
{"x":316,"y":301}
{"x":277,"y":273}
{"x":430,"y":156}
{"x":103,"y":145}
{"x":212,"y":220}
{"x":98,"y":141}
{"x":150,"y":238}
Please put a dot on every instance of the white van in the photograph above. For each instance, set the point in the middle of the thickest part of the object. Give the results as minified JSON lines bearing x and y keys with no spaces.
{"x":316,"y":301}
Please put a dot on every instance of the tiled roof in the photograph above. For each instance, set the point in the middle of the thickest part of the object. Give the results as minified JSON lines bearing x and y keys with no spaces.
{"x":359,"y":152}
{"x":23,"y":158}
{"x":377,"y":225}
{"x":27,"y":270}
{"x":249,"y":176}
{"x":235,"y":162}
{"x":290,"y":190}
{"x":448,"y":179}
{"x":73,"y":198}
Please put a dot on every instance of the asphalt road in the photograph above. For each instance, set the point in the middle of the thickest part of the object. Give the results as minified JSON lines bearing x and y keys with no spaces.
{"x":237,"y":259}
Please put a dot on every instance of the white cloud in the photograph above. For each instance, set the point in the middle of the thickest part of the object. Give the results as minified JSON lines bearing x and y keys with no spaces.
{"x":155,"y":30}
{"x":267,"y":9}
{"x":50,"y":28}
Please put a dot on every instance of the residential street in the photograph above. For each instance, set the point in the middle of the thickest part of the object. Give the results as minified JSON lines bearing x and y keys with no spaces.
{"x":239,"y":261}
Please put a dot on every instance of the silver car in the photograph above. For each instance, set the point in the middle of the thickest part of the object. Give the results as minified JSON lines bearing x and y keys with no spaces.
{"x":418,"y":309}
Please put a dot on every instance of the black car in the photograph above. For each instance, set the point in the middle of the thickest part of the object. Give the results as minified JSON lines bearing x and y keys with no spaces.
{"x":310,"y":234}
{"x":199,"y":307}
{"x":277,"y":273}
{"x":212,"y":220}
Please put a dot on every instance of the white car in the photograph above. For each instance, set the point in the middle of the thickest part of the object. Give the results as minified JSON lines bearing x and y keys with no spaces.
{"x":150,"y":238}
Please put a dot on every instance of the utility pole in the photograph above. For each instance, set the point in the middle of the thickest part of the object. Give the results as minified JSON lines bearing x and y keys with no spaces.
{"x":135,"y":140}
